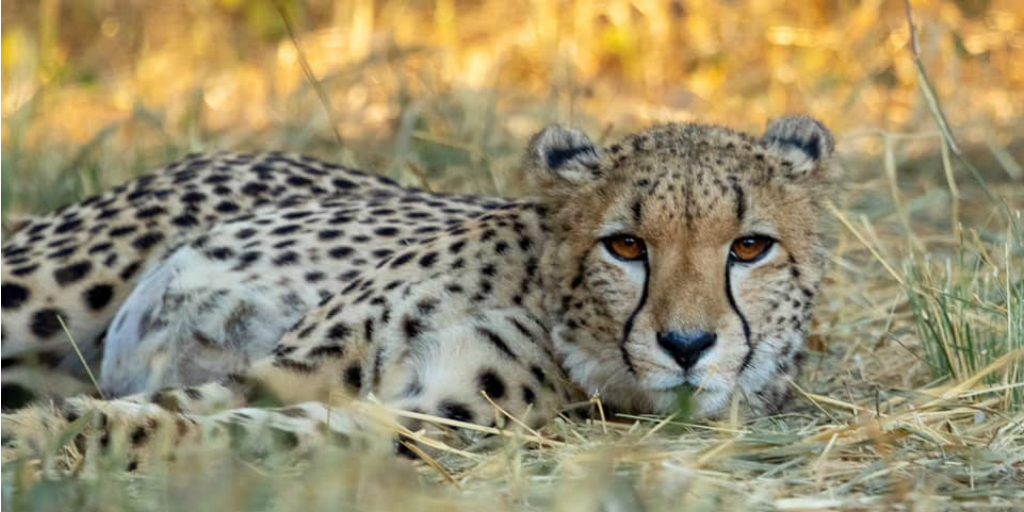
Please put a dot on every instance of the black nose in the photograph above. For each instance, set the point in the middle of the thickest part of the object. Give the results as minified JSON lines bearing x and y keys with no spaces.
{"x":686,"y":347}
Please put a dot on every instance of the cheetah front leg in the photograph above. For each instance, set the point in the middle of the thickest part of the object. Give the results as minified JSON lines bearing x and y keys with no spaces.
{"x":482,"y":366}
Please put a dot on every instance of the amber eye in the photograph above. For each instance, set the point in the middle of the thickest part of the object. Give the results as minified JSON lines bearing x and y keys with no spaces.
{"x":625,"y":247}
{"x":750,"y":248}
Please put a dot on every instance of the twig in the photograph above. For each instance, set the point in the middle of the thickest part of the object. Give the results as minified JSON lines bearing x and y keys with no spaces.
{"x":81,"y":358}
{"x":936,"y":108}
{"x":308,"y":71}
{"x":509,"y":415}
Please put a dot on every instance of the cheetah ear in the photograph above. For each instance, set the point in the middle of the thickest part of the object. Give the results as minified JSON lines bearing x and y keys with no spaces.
{"x":802,"y":141}
{"x":558,"y":153}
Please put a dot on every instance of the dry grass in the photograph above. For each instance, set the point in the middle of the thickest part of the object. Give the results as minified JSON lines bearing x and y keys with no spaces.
{"x":914,"y":396}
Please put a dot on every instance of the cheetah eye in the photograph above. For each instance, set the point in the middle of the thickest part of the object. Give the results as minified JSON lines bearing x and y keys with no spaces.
{"x":750,"y":248}
{"x":625,"y":247}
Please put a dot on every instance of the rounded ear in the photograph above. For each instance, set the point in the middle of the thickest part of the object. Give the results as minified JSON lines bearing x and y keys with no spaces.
{"x":802,"y":141}
{"x":558,"y":153}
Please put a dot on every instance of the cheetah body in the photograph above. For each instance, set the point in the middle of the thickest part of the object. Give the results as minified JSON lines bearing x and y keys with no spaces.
{"x":271,"y":275}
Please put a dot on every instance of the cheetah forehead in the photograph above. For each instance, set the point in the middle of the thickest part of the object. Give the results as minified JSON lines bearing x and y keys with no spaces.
{"x":687,"y":154}
{"x":698,"y":177}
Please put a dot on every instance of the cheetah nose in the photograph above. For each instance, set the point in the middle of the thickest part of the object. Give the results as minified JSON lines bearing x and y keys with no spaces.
{"x":686,"y":347}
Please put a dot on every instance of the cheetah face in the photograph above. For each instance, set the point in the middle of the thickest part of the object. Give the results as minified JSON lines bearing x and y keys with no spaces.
{"x":685,"y":256}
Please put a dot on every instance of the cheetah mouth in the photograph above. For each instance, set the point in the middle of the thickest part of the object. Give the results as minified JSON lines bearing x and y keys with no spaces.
{"x":698,"y":382}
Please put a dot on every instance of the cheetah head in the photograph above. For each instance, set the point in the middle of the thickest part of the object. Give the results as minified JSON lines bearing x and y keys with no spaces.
{"x":684,"y":256}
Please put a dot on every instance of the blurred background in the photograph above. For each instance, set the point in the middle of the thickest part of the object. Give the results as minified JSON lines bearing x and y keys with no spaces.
{"x":444,"y":93}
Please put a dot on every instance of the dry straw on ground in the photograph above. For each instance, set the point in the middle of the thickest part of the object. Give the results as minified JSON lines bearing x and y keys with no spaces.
{"x":913,"y":398}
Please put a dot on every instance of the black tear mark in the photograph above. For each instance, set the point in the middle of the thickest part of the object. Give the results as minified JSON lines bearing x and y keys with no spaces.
{"x":628,"y":328}
{"x":741,"y":198}
{"x":743,"y":319}
{"x":637,"y":211}
{"x":555,"y":158}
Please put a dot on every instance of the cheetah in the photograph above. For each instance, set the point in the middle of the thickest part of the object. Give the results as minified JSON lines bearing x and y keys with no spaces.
{"x":232,"y":286}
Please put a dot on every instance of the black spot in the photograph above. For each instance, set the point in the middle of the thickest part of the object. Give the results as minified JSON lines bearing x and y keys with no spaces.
{"x":66,"y":226}
{"x":412,"y":328}
{"x":150,"y":212}
{"x":148,"y":240}
{"x":339,"y":331}
{"x":428,"y":259}
{"x":286,"y":258}
{"x":297,"y":215}
{"x":455,"y":411}
{"x":98,"y":296}
{"x":121,"y":231}
{"x":138,"y":436}
{"x":15,"y":396}
{"x":386,"y":231}
{"x":283,"y":350}
{"x":226,"y":207}
{"x":44,"y":322}
{"x":340,"y":252}
{"x":492,"y":384}
{"x":330,"y":234}
{"x":343,"y":183}
{"x":165,"y":399}
{"x":327,"y":350}
{"x":130,"y":270}
{"x":13,"y":295}
{"x":185,"y":220}
{"x":254,"y":188}
{"x":287,"y":229}
{"x":496,"y":340}
{"x":221,"y":253}
{"x":293,"y":365}
{"x":193,"y":197}
{"x":538,"y":374}
{"x":528,"y":395}
{"x":72,"y":272}
{"x":305,"y":332}
{"x":402,"y":259}
{"x":456,"y":247}
{"x":299,"y":181}
{"x":26,"y":270}
{"x":101,"y":247}
{"x":427,"y":306}
{"x":354,"y":377}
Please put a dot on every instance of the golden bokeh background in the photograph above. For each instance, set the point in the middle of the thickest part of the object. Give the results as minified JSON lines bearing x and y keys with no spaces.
{"x":131,"y":84}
